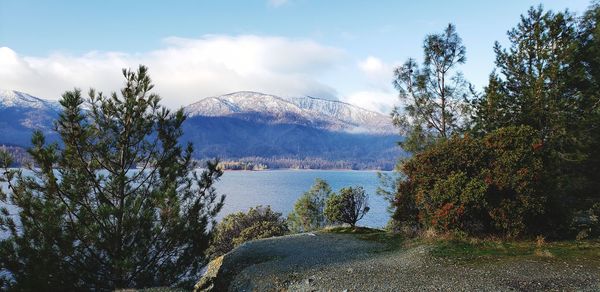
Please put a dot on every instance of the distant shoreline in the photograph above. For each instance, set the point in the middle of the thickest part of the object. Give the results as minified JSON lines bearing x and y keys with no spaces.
{"x":302,"y":169}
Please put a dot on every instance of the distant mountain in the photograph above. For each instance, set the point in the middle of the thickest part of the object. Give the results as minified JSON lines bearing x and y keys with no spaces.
{"x":21,"y":113}
{"x":306,"y":111}
{"x":250,"y":124}
{"x":247,"y":126}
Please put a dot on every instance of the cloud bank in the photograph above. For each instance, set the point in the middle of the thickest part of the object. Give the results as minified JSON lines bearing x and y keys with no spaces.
{"x":185,"y":70}
{"x":378,"y":93}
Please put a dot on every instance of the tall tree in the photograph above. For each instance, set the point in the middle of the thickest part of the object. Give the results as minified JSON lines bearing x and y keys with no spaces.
{"x":587,"y":81}
{"x":531,"y":85}
{"x":88,"y":219}
{"x":435,"y":94}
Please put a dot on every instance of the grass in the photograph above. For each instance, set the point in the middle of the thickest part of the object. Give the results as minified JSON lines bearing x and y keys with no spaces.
{"x":477,"y":249}
{"x":391,"y":241}
{"x":474,"y":249}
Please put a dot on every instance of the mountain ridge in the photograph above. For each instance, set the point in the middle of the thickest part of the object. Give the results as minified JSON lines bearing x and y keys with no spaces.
{"x":245,"y":125}
{"x":14,"y":98}
{"x":22,"y":113}
{"x":327,"y":114}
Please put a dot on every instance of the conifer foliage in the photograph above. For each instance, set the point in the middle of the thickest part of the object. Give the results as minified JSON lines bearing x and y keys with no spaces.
{"x":118,"y":204}
{"x":435,"y":94}
{"x":526,"y":162}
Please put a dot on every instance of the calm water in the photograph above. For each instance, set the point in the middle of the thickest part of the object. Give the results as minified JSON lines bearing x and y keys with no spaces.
{"x":281,"y":188}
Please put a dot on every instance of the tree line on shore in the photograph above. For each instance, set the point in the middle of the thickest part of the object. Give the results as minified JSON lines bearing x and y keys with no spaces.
{"x":305,"y":163}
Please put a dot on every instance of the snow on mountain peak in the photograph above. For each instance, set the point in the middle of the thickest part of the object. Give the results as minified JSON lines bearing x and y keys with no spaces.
{"x":330,"y":114}
{"x":12,"y":98}
{"x":21,"y":113}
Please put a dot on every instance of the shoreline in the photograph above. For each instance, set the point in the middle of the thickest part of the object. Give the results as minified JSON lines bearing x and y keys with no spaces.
{"x":301,"y":169}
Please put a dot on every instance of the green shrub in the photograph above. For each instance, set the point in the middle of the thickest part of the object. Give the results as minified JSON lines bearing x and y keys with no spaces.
{"x":308,"y":213}
{"x":492,"y":185}
{"x":237,"y":228}
{"x":349,"y":206}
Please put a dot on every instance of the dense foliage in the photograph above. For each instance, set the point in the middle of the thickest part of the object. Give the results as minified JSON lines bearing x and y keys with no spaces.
{"x":237,"y":228}
{"x":490,"y":185}
{"x":348,"y":206}
{"x":528,"y":162}
{"x":86,"y":220}
{"x":308,"y":213}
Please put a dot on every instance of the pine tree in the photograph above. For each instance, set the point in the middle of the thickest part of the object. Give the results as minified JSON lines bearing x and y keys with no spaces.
{"x":587,"y":81}
{"x":88,"y":219}
{"x":531,"y":85}
{"x":435,"y":94}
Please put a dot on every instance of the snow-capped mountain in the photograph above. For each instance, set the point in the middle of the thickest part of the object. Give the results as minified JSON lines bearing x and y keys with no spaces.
{"x":21,"y":113}
{"x":321,"y":113}
{"x":244,"y":125}
{"x":17,"y":99}
{"x":249,"y":125}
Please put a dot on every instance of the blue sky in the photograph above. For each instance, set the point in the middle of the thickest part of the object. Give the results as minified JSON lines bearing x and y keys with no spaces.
{"x":333,"y":49}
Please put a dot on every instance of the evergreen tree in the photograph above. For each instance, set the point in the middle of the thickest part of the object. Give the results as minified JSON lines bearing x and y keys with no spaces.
{"x":435,"y":94}
{"x":532,"y":85}
{"x":88,"y":219}
{"x":308,"y":210}
{"x":587,"y":81}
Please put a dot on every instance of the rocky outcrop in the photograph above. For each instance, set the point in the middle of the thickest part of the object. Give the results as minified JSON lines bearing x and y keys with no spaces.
{"x":241,"y":269}
{"x":209,"y":282}
{"x":375,"y":262}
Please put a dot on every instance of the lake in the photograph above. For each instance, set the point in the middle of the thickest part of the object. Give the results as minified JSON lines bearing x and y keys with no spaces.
{"x":281,"y":188}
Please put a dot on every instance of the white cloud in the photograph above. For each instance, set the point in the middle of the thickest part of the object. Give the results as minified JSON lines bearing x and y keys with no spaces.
{"x":371,"y":65}
{"x":377,"y":94}
{"x":377,"y":71}
{"x":375,"y":100}
{"x":185,"y":69}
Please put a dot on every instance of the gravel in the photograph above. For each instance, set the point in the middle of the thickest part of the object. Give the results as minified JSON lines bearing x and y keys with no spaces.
{"x":342,"y":262}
